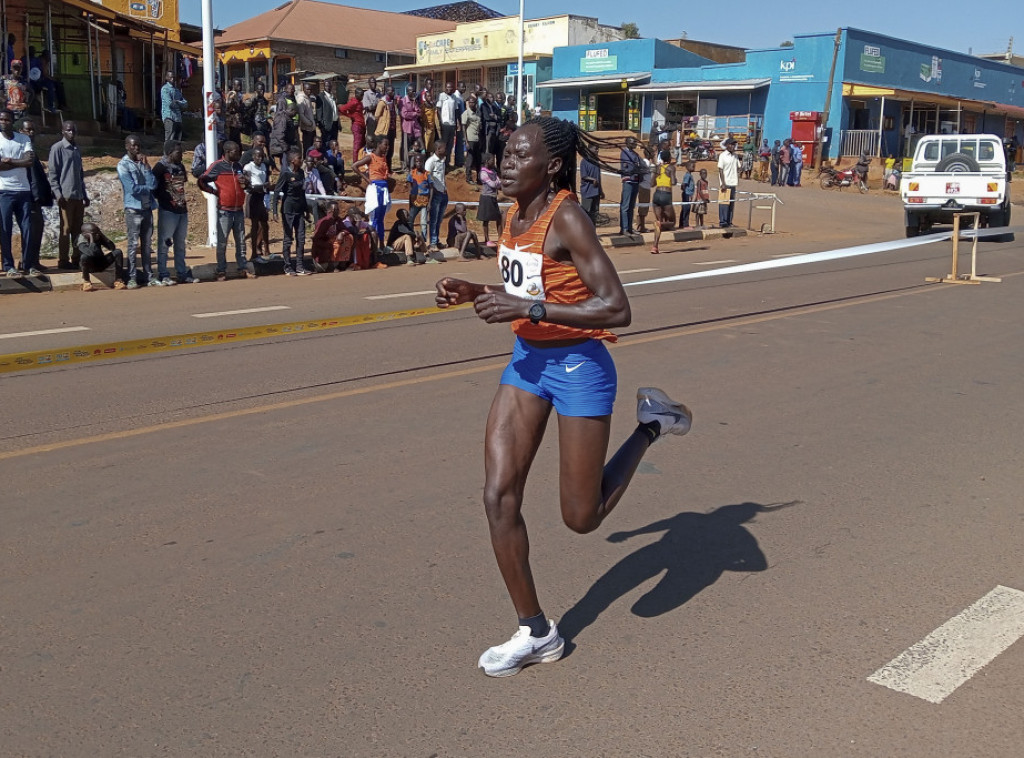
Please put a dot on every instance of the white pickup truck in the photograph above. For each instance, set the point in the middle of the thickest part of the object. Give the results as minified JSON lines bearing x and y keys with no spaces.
{"x":956,"y":173}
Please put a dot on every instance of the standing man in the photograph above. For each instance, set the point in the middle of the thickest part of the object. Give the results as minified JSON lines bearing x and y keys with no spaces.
{"x":233,"y":106}
{"x":327,"y":112}
{"x":632,"y":170}
{"x":16,"y":156}
{"x":371,"y":95}
{"x":785,"y":162}
{"x":260,"y":108}
{"x":446,"y":115}
{"x":171,"y":214}
{"x":386,"y":118}
{"x":353,"y":110}
{"x":138,"y":183}
{"x":225,"y":180}
{"x":775,"y":161}
{"x":42,"y":196}
{"x":728,"y":180}
{"x":435,"y":168}
{"x":67,"y":180}
{"x":590,"y":188}
{"x":460,"y":138}
{"x":172,"y":102}
{"x":472,"y":129}
{"x":796,"y":167}
{"x":307,"y":116}
{"x":410,"y":113}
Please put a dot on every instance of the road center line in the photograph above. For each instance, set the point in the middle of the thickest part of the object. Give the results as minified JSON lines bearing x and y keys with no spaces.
{"x":400,"y":294}
{"x":41,"y":332}
{"x":934,"y":667}
{"x":713,"y":263}
{"x":243,"y":310}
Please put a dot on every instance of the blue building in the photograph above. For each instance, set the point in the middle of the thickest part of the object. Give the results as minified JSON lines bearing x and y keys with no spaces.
{"x":885,"y":93}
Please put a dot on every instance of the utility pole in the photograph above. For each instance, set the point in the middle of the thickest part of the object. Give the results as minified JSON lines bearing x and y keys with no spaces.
{"x":820,"y":145}
{"x":209,"y":117}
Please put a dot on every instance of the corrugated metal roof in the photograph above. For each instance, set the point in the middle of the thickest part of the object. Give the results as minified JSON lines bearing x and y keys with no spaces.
{"x":322,"y":23}
{"x":461,"y":12}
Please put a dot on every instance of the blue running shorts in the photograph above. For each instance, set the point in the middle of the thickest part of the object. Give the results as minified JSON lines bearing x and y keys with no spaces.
{"x":578,"y":380}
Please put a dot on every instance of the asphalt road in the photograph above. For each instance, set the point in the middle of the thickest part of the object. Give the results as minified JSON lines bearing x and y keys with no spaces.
{"x":278,"y":548}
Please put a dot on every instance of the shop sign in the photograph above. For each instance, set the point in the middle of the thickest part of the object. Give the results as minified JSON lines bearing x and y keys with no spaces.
{"x":871,"y":60}
{"x":590,"y":65}
{"x":977,"y":79}
{"x":787,"y":72}
{"x":932,"y":72}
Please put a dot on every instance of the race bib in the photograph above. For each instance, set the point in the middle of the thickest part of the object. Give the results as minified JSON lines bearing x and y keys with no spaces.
{"x":521,"y":271}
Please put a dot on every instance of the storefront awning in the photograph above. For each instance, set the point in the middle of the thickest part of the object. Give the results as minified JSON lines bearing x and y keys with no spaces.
{"x":395,"y":72}
{"x":590,"y":81}
{"x":931,"y":99}
{"x":734,"y":85}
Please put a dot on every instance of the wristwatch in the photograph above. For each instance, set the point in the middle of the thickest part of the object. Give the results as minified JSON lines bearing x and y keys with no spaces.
{"x":538,"y":313}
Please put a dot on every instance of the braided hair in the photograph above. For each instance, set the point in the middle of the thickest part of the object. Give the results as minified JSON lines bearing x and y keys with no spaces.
{"x":566,"y":140}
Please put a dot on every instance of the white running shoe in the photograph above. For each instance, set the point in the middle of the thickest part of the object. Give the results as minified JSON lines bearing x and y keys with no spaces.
{"x":654,"y":405}
{"x":522,"y":650}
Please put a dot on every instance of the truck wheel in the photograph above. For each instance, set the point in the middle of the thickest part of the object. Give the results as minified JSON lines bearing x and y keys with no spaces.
{"x":958,"y":163}
{"x":913,"y":224}
{"x":1001,"y":218}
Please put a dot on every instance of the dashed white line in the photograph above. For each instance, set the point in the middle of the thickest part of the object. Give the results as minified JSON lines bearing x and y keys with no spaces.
{"x":713,"y":263}
{"x":785,"y":255}
{"x":638,"y":271}
{"x":243,"y":310}
{"x":400,"y":294}
{"x":934,"y":667}
{"x":62,"y":330}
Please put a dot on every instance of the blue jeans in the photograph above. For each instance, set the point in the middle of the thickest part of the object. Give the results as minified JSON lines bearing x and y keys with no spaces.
{"x":794,"y":173}
{"x":684,"y":213}
{"x":171,"y":229}
{"x":725,"y":209}
{"x":415,"y":211}
{"x":438,"y":205}
{"x":229,"y":222}
{"x":140,"y":235}
{"x":627,"y":204}
{"x":16,"y":206}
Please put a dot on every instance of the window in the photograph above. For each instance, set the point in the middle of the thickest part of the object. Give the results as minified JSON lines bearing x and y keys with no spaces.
{"x":495,"y":78}
{"x":340,"y":52}
{"x":380,"y":57}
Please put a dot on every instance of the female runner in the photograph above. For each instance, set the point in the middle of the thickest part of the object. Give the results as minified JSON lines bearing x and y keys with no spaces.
{"x":561,"y":294}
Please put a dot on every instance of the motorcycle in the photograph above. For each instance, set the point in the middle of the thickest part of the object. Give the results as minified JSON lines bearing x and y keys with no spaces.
{"x":830,"y":177}
{"x":701,"y":150}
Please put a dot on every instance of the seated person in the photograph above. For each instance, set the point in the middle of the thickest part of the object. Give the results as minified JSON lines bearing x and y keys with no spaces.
{"x":403,"y":237}
{"x":327,"y":176}
{"x":336,"y":160}
{"x":459,"y":234}
{"x":332,"y":244}
{"x":16,"y":90}
{"x":90,"y":245}
{"x":362,"y":241}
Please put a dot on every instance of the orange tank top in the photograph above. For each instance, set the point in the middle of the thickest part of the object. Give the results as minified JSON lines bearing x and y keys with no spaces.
{"x":379,"y":167}
{"x":530,"y":274}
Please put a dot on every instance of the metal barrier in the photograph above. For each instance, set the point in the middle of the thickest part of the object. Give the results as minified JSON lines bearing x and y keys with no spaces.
{"x":857,"y":141}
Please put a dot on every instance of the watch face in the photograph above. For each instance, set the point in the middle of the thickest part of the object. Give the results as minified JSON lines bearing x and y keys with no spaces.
{"x":537,"y":312}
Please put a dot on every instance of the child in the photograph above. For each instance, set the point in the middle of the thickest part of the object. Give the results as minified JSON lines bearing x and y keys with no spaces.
{"x":688,"y":185}
{"x":291,"y":197}
{"x":702,"y":196}
{"x":459,"y":234}
{"x":90,"y":245}
{"x":402,"y":236}
{"x":488,"y":210}
{"x":259,"y":224}
{"x":335,"y":159}
{"x":417,"y":149}
{"x":419,"y":194}
{"x":318,"y":145}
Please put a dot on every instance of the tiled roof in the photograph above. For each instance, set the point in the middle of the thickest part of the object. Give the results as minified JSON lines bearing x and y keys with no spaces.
{"x":458,"y":12}
{"x":322,"y":23}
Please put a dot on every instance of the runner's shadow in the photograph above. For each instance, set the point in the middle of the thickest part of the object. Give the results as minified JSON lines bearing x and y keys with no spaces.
{"x":694,"y":551}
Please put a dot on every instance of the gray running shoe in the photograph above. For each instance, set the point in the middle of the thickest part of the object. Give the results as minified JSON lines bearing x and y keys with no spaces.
{"x":654,"y":405}
{"x":167,"y":282}
{"x":508,"y":659}
{"x":132,"y":284}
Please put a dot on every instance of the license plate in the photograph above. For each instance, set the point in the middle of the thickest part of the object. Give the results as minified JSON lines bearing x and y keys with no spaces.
{"x":952,"y":188}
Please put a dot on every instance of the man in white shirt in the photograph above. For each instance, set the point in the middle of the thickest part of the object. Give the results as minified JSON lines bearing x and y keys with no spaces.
{"x":435,"y":167}
{"x":16,"y":156}
{"x":446,"y":107}
{"x":728,"y":179}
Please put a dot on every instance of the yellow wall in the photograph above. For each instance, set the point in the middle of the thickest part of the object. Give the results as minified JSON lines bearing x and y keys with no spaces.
{"x":492,"y":40}
{"x":163,"y":13}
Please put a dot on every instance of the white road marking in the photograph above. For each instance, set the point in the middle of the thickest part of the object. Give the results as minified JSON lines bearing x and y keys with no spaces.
{"x":638,"y":270}
{"x":785,"y":255}
{"x":713,"y":263}
{"x":243,"y":310}
{"x":400,"y":294}
{"x":41,"y":332}
{"x":934,"y":667}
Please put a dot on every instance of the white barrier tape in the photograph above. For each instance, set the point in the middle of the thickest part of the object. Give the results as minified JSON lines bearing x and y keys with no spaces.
{"x":362,"y":199}
{"x":828,"y":255}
